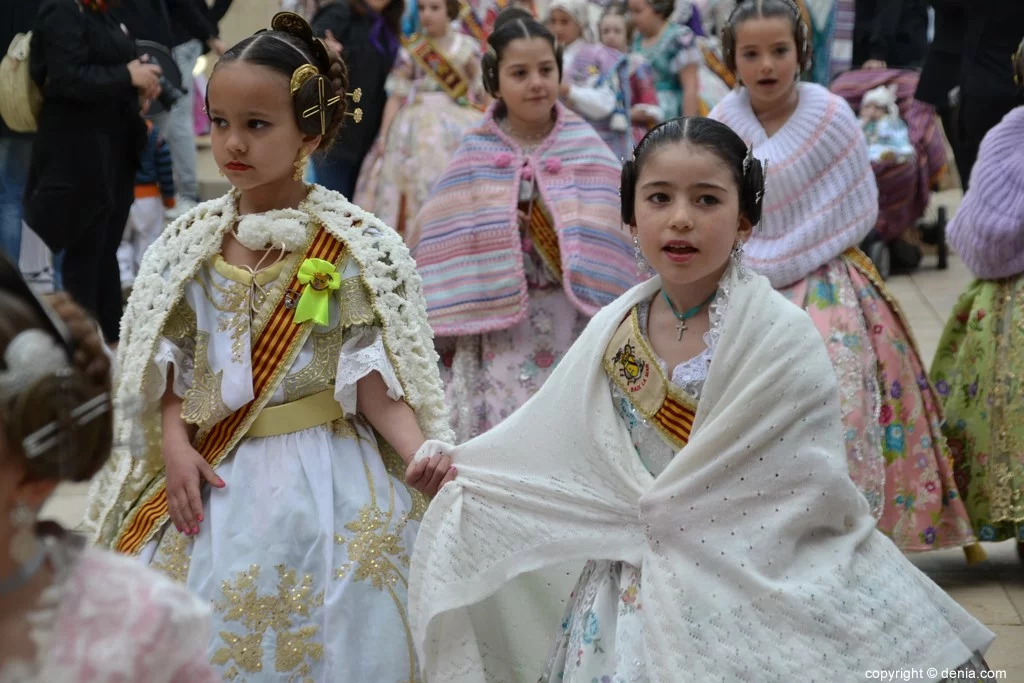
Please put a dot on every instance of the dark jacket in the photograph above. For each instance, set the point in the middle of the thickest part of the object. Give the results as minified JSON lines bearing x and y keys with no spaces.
{"x":153,"y":20}
{"x":90,"y":131}
{"x":155,"y":166}
{"x":368,"y":69}
{"x":893,"y":31}
{"x":941,"y":71}
{"x":16,"y":16}
{"x":994,"y":30}
{"x":183,"y":28}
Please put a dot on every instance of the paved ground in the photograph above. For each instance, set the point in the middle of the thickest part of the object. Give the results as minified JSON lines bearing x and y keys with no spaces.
{"x":992,"y":591}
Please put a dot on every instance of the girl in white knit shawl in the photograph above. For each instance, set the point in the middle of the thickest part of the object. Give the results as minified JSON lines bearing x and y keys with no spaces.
{"x":688,"y":451}
{"x":821,"y":202}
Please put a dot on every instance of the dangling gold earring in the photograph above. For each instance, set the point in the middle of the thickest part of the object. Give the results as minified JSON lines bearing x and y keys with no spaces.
{"x":23,"y":540}
{"x":300,"y":164}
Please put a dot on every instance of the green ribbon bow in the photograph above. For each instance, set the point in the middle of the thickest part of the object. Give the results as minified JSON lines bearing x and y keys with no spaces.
{"x":321,"y":278}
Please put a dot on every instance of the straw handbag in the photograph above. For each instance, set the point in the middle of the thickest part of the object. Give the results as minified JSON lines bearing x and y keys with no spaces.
{"x":20,"y":99}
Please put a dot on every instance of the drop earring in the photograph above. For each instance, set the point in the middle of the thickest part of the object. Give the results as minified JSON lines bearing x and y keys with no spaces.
{"x":23,"y":540}
{"x":300,"y":164}
{"x":642,"y":267}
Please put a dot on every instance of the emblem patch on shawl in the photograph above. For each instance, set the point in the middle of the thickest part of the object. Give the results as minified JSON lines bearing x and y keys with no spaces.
{"x":631,"y":368}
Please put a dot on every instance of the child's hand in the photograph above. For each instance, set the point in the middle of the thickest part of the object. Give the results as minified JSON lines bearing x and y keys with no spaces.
{"x":428,"y":475}
{"x":185,"y":470}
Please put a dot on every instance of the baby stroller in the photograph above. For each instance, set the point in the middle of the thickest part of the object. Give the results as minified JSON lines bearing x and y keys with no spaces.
{"x":903,"y":187}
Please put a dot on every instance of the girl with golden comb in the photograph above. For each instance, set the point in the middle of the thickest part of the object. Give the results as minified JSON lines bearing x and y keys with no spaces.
{"x":278,"y":374}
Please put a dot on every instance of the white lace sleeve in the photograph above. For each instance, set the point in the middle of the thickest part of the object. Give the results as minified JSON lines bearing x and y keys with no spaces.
{"x":168,"y":354}
{"x":363,"y":352}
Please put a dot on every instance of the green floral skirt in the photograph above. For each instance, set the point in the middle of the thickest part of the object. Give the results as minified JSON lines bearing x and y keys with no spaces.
{"x":979,"y":374}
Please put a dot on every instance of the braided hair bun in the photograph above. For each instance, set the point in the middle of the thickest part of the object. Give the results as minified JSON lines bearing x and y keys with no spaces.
{"x":320,"y":96}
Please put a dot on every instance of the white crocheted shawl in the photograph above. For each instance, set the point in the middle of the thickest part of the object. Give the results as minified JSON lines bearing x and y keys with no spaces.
{"x":820,"y":198}
{"x":759,"y":556}
{"x":389,"y":275}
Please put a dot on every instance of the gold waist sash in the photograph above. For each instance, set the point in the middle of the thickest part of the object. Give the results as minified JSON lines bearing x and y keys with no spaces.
{"x":315,"y":410}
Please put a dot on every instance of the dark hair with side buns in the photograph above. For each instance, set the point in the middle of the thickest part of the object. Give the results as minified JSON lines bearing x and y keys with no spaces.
{"x":767,"y":9}
{"x":284,"y":52}
{"x":514,"y":23}
{"x":708,"y":134}
{"x":80,"y":448}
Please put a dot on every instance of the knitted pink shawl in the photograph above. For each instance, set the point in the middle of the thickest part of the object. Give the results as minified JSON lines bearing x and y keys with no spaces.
{"x":821,"y":198}
{"x":467,"y":241}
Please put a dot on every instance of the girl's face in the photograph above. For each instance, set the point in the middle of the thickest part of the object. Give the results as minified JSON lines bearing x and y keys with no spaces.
{"x":644,"y":18}
{"x":528,"y":80}
{"x":613,"y":32}
{"x":766,"y":59}
{"x":687,"y":213}
{"x":254,"y":136}
{"x":433,"y":17}
{"x":564,"y":27}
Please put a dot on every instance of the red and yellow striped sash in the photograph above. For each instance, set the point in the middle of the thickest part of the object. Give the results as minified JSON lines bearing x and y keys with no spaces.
{"x":436,"y":63}
{"x":272,"y":353}
{"x":631,"y":364}
{"x":545,"y":239}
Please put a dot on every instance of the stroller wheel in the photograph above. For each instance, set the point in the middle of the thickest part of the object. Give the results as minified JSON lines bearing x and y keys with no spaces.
{"x":879,"y":254}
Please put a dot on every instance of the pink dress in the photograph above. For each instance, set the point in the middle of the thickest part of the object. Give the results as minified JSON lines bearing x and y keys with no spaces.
{"x":108,"y":619}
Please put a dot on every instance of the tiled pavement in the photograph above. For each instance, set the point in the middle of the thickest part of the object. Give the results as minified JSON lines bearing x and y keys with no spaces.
{"x":992,"y":591}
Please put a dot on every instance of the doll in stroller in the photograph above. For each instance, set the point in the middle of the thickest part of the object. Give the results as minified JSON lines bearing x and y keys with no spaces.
{"x":908,"y":164}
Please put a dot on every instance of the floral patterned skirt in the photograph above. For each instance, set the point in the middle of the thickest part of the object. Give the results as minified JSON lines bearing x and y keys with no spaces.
{"x":886,"y":399}
{"x":423,"y":137}
{"x":487,"y":377}
{"x":979,"y":374}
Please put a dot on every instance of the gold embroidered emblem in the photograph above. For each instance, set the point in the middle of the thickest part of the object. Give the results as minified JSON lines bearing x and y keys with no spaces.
{"x":631,"y":368}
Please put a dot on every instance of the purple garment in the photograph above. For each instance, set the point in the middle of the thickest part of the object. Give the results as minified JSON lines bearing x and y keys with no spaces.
{"x":988,"y":229}
{"x":689,"y":15}
{"x":382,"y":37}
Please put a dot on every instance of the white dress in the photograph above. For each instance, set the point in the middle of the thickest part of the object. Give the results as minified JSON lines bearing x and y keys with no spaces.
{"x":601,"y":639}
{"x":304,"y":554}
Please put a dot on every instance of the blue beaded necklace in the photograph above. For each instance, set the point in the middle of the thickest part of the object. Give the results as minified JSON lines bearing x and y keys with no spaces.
{"x":686,"y":315}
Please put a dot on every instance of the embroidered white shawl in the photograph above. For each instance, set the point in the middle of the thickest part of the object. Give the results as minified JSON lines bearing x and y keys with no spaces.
{"x":760,"y":559}
{"x":390,"y":277}
{"x":820,"y":194}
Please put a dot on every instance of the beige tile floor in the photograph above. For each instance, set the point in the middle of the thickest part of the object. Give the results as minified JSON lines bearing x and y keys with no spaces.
{"x":992,"y":591}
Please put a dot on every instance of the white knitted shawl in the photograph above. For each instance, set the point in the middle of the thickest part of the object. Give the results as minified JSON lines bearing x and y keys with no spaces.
{"x":388,"y":273}
{"x":821,"y":198}
{"x":760,"y":559}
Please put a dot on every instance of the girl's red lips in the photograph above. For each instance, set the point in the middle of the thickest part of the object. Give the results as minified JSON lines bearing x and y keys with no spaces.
{"x":237,"y":166}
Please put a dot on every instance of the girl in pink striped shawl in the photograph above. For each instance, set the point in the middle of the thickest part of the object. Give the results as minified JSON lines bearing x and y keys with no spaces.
{"x":521,"y":240}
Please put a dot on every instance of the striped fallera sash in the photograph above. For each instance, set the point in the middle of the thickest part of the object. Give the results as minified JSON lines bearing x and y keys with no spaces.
{"x":435,"y":63}
{"x":273,"y":352}
{"x":631,"y":364}
{"x":545,"y":239}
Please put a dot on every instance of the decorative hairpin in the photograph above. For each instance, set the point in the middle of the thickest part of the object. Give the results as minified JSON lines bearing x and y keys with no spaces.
{"x":764,"y":182}
{"x":747,"y":160}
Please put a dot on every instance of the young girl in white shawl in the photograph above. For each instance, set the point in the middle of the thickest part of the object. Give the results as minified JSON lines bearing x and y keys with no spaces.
{"x":277,"y":364}
{"x":688,"y":449}
{"x":820,"y":203}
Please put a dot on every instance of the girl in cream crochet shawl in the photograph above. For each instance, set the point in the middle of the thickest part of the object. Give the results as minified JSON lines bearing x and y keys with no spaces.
{"x":820,"y":203}
{"x":688,"y":450}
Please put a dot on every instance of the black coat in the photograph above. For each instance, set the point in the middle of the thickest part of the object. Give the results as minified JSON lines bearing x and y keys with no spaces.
{"x":368,"y":69}
{"x":993,"y":32}
{"x":16,"y":16}
{"x":155,"y":20}
{"x":184,"y":26}
{"x":90,"y":129}
{"x":893,"y":31}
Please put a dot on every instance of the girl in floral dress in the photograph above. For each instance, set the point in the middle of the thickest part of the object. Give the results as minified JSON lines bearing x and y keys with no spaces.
{"x":672,"y":51}
{"x":979,"y":366}
{"x":277,"y":375}
{"x":434,"y":96}
{"x":687,"y":461}
{"x":617,"y":33}
{"x":820,"y":203}
{"x":520,"y":243}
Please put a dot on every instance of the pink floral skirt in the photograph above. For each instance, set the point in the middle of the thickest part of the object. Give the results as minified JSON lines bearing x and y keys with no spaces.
{"x":892,"y":418}
{"x":487,"y":377}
